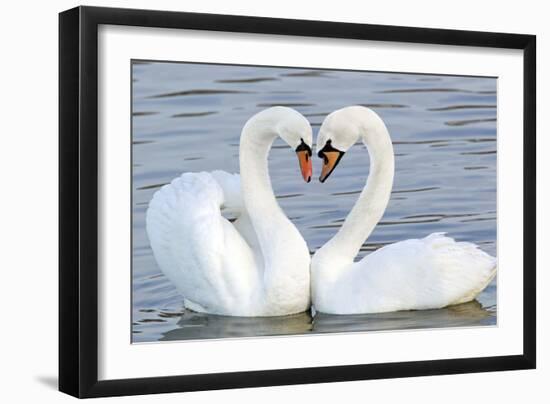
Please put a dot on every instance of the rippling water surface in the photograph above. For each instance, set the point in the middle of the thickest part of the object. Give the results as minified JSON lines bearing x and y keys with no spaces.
{"x":188,"y":117}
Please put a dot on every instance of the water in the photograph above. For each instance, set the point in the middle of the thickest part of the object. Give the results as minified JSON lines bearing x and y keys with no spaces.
{"x":188,"y":117}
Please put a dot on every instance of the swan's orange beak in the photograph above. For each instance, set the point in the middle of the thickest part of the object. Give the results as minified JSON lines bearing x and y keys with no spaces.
{"x":330,"y":161}
{"x":304,"y":158}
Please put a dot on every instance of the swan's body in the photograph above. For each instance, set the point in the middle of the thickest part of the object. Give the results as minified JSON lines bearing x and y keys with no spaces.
{"x":256,"y":266}
{"x":428,"y":273}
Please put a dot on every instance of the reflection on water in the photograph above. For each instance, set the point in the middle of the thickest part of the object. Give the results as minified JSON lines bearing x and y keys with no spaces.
{"x":192,"y":325}
{"x":466,"y":314}
{"x":188,"y":117}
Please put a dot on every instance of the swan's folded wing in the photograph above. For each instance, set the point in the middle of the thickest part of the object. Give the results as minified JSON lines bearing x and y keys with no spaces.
{"x":191,"y":241}
{"x":432,"y":272}
{"x":233,"y":207}
{"x":231,"y":188}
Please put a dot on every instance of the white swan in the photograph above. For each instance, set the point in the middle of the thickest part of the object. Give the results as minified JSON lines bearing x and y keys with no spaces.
{"x":256,"y":266}
{"x":415,"y":274}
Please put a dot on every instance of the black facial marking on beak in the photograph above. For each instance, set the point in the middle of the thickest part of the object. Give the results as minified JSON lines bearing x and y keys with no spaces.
{"x":304,"y":147}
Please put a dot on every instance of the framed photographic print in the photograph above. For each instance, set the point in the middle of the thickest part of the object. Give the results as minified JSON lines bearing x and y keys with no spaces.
{"x":251,"y":201}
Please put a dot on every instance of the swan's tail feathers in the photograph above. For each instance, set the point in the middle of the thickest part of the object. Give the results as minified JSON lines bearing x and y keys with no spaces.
{"x":466,"y":268}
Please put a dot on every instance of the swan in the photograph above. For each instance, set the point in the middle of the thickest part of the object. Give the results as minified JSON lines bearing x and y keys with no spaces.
{"x":427,"y":273}
{"x":259,"y":264}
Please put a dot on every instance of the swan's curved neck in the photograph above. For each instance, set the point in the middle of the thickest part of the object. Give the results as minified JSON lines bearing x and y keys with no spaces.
{"x":265,"y":214}
{"x":374,"y":198}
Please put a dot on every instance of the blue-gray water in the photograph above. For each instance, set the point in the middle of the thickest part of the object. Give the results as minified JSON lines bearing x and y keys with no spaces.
{"x":188,"y":117}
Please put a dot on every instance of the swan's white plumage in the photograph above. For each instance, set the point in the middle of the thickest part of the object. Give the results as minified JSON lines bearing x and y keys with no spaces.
{"x":428,"y":273}
{"x":256,"y":266}
{"x":191,"y":241}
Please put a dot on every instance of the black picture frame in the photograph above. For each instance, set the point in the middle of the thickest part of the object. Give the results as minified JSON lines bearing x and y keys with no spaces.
{"x":78,"y":201}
